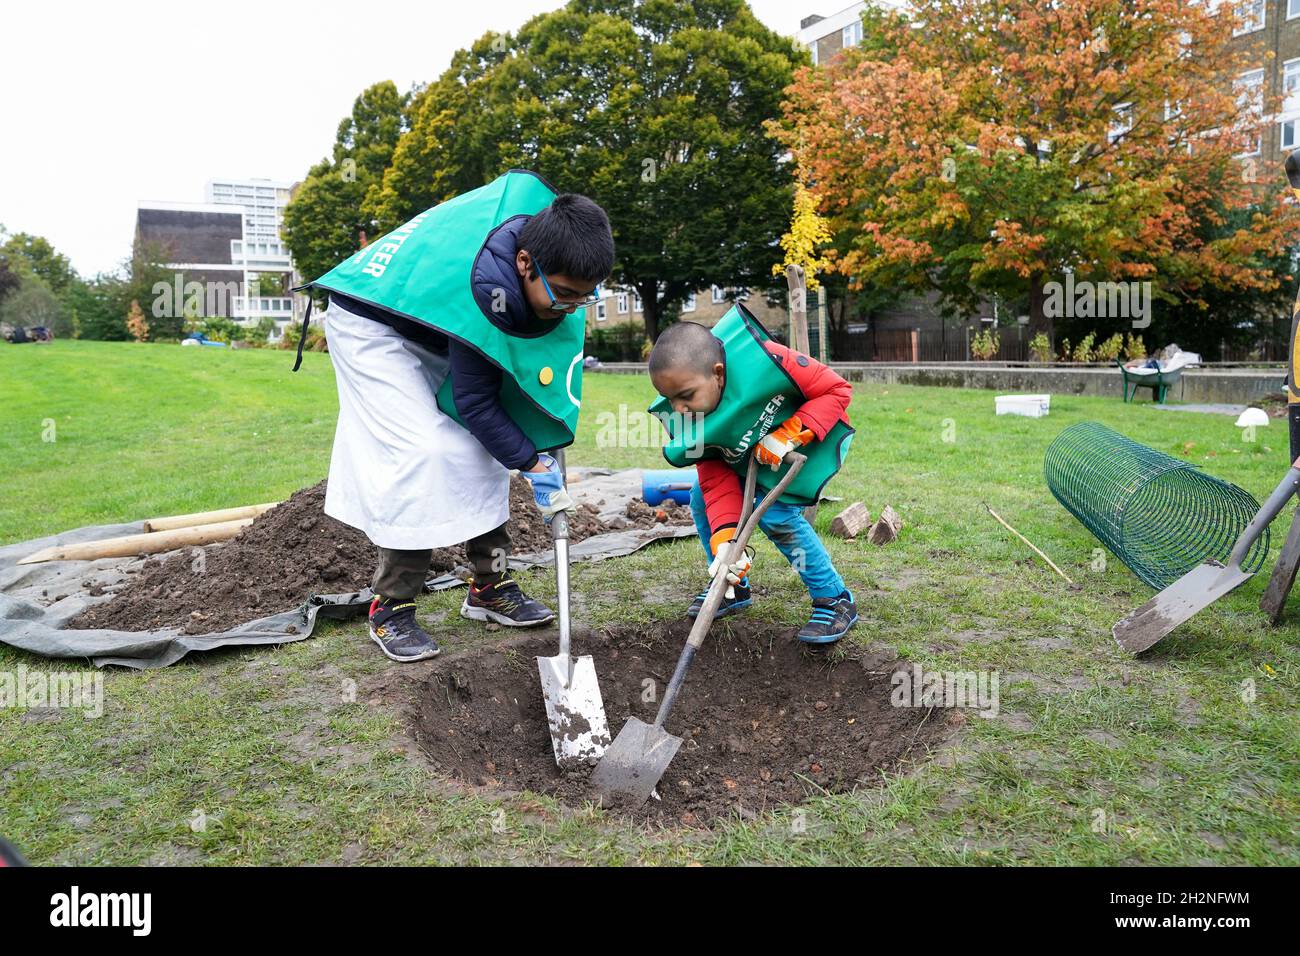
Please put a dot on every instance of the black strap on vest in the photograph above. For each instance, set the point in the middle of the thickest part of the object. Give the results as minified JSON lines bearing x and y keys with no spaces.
{"x":306,"y":319}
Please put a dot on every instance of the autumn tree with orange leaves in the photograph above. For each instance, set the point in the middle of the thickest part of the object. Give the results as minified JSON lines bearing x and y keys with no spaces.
{"x":982,"y":147}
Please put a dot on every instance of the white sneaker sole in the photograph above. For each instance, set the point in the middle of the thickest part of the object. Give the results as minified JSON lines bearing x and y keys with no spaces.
{"x":483,"y":614}
{"x":403,"y":660}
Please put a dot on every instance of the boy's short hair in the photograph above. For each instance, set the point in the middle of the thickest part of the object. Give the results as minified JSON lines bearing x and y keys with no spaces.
{"x":686,"y":344}
{"x":570,"y":237}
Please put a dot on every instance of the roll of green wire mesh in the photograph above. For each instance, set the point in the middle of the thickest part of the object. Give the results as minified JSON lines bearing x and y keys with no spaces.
{"x":1159,"y":515}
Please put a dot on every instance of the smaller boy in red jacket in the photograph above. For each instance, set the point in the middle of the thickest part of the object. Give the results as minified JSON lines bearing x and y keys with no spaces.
{"x":688,"y":367}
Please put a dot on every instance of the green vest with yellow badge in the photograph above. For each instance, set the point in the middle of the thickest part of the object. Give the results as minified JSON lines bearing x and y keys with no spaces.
{"x":757,"y":396}
{"x":423,"y":269}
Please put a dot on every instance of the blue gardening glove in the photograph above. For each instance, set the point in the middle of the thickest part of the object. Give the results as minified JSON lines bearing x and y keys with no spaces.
{"x":548,"y":488}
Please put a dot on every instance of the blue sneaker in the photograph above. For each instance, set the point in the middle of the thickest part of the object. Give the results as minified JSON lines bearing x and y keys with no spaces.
{"x":831,"y":619}
{"x":743,"y":599}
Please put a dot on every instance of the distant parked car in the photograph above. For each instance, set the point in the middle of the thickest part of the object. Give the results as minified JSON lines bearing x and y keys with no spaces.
{"x":18,"y":334}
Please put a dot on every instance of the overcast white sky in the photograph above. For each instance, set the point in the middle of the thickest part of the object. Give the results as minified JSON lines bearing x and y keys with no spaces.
{"x":107,"y":103}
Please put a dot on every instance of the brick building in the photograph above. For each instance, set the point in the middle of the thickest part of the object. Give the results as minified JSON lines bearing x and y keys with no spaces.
{"x":1270,"y":33}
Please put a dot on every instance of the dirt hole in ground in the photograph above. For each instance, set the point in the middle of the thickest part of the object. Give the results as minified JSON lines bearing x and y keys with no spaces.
{"x":765,"y":720}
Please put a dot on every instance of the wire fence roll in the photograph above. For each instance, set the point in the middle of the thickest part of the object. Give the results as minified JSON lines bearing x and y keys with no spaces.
{"x":1159,"y":515}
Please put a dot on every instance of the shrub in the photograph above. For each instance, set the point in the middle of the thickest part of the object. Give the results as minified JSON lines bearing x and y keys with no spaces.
{"x":136,"y":323}
{"x":985,"y":345}
{"x":617,"y":343}
{"x":1109,"y":350}
{"x":1040,"y":348}
{"x":1083,"y":351}
{"x":1134,"y":347}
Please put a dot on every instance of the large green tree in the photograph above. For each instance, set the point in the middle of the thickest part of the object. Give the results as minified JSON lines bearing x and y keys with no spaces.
{"x":443,"y":154}
{"x":653,"y":109}
{"x":34,"y":303}
{"x":325,"y":222}
{"x":99,"y":307}
{"x":36,"y":256}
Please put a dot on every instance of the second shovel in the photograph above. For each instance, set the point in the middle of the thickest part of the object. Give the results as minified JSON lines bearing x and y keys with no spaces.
{"x":574,"y":709}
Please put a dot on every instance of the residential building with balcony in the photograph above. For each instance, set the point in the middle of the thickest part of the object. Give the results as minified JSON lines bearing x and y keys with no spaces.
{"x":232,"y":244}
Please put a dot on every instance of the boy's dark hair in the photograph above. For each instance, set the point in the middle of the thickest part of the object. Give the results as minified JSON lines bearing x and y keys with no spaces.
{"x":570,"y":237}
{"x":686,"y":344}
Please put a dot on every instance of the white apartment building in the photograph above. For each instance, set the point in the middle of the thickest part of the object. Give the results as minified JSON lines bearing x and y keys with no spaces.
{"x":261,"y":248}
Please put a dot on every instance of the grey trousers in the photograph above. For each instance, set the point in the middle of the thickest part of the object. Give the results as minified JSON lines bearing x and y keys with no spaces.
{"x":401,"y":574}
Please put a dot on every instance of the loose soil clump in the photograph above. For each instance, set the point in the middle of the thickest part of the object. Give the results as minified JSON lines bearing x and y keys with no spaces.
{"x":289,"y":553}
{"x":765,"y":720}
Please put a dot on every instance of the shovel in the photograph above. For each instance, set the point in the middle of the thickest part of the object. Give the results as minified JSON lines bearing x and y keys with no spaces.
{"x":636,"y":760}
{"x":1203,"y":585}
{"x":574,"y":709}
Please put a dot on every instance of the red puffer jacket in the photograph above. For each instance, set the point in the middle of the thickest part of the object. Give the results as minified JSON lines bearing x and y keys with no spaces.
{"x":826,"y":401}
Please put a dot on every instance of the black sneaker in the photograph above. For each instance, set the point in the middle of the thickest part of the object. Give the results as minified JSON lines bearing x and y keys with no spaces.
{"x":394,"y":629}
{"x":505,"y":603}
{"x":831,"y":619}
{"x":743,"y":599}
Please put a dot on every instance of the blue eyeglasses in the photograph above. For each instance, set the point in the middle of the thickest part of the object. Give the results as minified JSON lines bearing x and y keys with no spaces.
{"x":569,"y":305}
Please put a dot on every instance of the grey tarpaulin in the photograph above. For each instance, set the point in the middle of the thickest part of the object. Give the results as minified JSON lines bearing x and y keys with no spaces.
{"x":37,"y":600}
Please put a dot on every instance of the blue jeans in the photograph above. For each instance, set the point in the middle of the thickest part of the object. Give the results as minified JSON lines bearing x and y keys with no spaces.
{"x":787,"y":528}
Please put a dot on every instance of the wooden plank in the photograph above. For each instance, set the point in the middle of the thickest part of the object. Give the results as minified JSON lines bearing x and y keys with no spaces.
{"x":1273,"y":603}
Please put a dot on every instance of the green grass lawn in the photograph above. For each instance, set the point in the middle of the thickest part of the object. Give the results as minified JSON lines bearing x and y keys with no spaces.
{"x":1094,"y":758}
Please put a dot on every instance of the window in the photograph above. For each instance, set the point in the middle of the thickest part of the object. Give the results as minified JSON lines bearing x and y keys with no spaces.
{"x":719,"y":295}
{"x":621,"y":301}
{"x":636,"y":303}
{"x":600,"y":311}
{"x":851,"y":35}
{"x":689,"y":304}
{"x":1250,"y":100}
{"x":1252,"y":13}
{"x":1286,"y":135}
{"x":1123,"y":122}
{"x":812,"y":48}
{"x":1292,"y":9}
{"x":1290,"y":115}
{"x":1291,"y":85}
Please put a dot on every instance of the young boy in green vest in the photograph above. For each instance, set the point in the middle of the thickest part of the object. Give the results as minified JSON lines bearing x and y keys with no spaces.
{"x":725,"y":402}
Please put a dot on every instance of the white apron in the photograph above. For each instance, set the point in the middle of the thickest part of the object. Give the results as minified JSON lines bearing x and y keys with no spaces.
{"x":401,"y":470}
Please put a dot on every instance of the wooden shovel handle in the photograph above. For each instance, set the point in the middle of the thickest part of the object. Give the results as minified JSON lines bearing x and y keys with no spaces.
{"x":713,"y":600}
{"x":748,"y":522}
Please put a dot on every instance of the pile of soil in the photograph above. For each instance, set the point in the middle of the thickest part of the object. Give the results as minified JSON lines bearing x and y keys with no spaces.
{"x":765,"y":720}
{"x":290,"y":552}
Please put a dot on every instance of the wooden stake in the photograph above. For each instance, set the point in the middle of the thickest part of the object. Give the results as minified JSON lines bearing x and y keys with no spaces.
{"x":798,"y":287}
{"x":133,"y":544}
{"x":207,"y":517}
{"x":1030,"y":543}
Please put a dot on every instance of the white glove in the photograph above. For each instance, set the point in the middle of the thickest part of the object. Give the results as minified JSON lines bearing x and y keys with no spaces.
{"x":736,"y":568}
